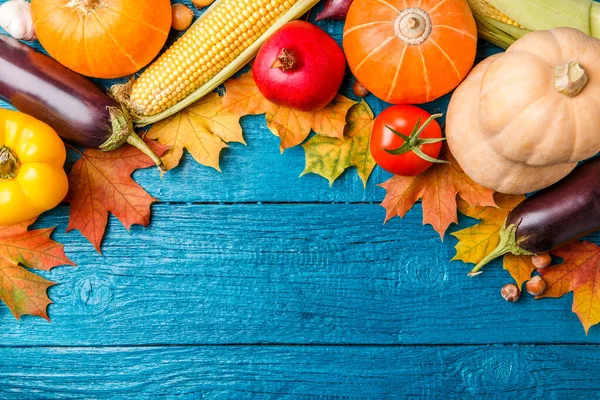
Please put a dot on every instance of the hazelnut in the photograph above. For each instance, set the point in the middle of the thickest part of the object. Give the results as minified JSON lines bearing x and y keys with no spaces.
{"x":510,"y":292}
{"x":536,"y":286}
{"x":182,"y":17}
{"x":202,"y":3}
{"x":541,"y":260}
{"x":359,"y":90}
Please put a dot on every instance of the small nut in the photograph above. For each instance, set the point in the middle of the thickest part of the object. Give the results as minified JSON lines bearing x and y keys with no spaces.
{"x":541,"y":260}
{"x":202,"y":3}
{"x":536,"y":286}
{"x":182,"y":17}
{"x":359,"y":90}
{"x":510,"y":292}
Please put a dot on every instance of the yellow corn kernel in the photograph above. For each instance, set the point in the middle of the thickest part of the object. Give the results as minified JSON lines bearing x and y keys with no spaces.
{"x":212,"y":43}
{"x":483,"y":8}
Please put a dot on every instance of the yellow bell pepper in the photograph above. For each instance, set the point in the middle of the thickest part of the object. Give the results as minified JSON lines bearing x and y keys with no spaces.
{"x":32,"y":178}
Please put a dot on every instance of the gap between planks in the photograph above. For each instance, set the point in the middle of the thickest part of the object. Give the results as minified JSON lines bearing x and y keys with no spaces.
{"x":302,"y":345}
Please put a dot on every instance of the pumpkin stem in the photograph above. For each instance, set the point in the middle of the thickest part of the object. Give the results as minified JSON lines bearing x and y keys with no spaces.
{"x":413,"y":23}
{"x":413,"y":26}
{"x":9,"y":163}
{"x":89,"y":5}
{"x":570,"y":79}
{"x":285,"y":60}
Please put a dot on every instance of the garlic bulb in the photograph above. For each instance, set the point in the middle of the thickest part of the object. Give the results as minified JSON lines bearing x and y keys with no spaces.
{"x":15,"y":19}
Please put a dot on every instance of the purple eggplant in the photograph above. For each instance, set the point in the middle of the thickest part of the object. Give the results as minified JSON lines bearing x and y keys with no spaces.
{"x":552,"y":217}
{"x":335,"y":9}
{"x":78,"y":110}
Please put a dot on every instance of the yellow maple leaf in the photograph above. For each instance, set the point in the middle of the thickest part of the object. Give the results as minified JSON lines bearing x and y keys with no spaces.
{"x":242,"y":97}
{"x":204,"y":129}
{"x":478,"y":241}
{"x":519,"y":267}
{"x":330,"y":157}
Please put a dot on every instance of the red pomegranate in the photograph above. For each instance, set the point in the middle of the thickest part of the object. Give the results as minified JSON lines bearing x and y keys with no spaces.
{"x":300,"y":67}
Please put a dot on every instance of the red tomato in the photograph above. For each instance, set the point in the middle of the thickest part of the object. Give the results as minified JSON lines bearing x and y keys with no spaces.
{"x":422,"y":149}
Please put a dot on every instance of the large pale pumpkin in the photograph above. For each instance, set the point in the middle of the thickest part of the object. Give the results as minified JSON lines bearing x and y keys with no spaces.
{"x":102,"y":38}
{"x":410,"y":51}
{"x":522,"y":120}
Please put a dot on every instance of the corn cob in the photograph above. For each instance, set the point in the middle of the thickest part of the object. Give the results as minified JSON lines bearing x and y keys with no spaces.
{"x":485,"y":9}
{"x":502,"y":22}
{"x":220,"y":43}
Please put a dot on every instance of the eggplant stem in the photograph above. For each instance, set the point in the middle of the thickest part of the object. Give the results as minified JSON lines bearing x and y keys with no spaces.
{"x":122,"y":128}
{"x":508,"y":244}
{"x":139,"y":144}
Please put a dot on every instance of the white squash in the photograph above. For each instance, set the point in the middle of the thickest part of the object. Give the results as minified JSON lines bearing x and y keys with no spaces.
{"x":523,"y":119}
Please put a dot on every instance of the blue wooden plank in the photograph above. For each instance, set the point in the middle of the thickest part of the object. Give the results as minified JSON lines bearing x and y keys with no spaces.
{"x":309,"y":274}
{"x":260,"y":372}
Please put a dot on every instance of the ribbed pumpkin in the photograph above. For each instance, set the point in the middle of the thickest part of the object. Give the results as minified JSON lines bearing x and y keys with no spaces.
{"x":102,"y":38}
{"x":410,"y":51}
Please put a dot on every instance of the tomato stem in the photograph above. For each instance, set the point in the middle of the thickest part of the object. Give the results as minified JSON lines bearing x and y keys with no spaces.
{"x":414,"y":142}
{"x":9,"y":163}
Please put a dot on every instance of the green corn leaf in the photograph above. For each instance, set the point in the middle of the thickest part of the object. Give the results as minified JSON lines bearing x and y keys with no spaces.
{"x":547,"y":14}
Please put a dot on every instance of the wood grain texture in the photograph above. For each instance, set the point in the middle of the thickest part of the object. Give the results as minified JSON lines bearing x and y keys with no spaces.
{"x":266,"y":372}
{"x":181,"y":309}
{"x":282,"y":274}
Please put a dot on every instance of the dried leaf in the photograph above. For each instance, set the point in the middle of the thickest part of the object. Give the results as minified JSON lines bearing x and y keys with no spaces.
{"x":242,"y":97}
{"x":330,"y":157}
{"x":437,"y":188}
{"x":519,"y":267}
{"x":23,"y":291}
{"x":100,"y":182}
{"x":478,"y":241}
{"x":579,"y":273}
{"x":204,"y":129}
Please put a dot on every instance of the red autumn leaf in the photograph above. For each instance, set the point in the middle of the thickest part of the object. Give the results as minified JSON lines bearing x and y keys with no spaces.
{"x":437,"y":188}
{"x":100,"y":182}
{"x":579,"y":273}
{"x":21,"y":290}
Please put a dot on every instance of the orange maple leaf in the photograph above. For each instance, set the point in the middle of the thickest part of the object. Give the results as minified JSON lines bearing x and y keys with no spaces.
{"x":100,"y":182}
{"x":242,"y":97}
{"x":437,"y":188}
{"x":21,"y":290}
{"x":579,"y":273}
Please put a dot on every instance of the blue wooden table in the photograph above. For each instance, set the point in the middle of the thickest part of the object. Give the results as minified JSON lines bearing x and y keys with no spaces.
{"x":254,"y":283}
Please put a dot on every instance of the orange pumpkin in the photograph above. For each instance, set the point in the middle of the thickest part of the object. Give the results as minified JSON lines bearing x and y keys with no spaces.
{"x":410,"y":51}
{"x":102,"y":38}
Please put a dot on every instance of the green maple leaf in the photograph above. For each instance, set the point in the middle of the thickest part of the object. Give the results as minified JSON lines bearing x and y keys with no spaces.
{"x":330,"y":157}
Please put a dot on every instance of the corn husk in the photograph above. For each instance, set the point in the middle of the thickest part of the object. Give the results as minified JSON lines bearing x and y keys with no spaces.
{"x":502,"y":22}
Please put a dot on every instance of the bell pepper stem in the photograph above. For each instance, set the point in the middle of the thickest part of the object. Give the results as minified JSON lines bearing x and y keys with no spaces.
{"x":9,"y":163}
